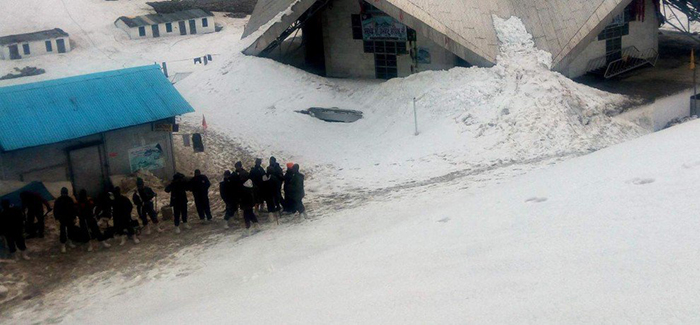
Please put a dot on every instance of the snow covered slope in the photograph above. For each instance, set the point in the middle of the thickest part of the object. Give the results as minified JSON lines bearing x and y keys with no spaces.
{"x":517,"y":111}
{"x":606,"y":238}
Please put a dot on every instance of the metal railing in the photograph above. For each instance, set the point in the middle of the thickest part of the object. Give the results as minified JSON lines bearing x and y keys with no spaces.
{"x":630,"y":59}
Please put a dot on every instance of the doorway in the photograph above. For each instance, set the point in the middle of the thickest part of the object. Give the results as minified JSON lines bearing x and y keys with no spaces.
{"x":86,"y":169}
{"x":181,"y":26}
{"x":14,"y":52}
{"x":193,"y":27}
{"x":155,"y":30}
{"x":61,"y":45}
{"x":613,"y":49}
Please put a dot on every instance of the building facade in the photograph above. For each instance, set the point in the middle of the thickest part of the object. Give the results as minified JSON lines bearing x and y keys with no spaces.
{"x":395,"y":38}
{"x":88,"y":128}
{"x":52,"y":41}
{"x":189,"y":22}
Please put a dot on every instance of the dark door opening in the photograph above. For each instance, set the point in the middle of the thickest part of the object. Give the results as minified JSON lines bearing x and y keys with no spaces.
{"x":312,"y":38}
{"x":193,"y":27}
{"x":155,"y":30}
{"x":181,"y":26}
{"x":61,"y":45}
{"x":86,"y":170}
{"x":14,"y":52}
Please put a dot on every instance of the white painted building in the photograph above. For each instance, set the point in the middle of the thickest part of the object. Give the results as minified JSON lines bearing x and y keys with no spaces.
{"x":390,"y":38}
{"x":15,"y":47}
{"x":188,"y":22}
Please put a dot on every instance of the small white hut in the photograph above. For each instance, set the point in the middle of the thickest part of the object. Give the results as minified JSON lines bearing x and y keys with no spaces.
{"x":188,"y":22}
{"x":14,"y":47}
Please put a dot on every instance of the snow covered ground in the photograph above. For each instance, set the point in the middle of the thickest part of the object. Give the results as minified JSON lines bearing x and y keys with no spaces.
{"x":608,"y":237}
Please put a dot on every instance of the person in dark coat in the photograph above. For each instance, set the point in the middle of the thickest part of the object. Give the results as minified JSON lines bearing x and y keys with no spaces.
{"x":296,"y":191}
{"x":178,"y":200}
{"x":256,"y":175}
{"x":229,"y":194}
{"x":277,"y":176}
{"x":247,"y":205}
{"x":33,"y":205}
{"x":121,"y":210}
{"x":103,"y":205}
{"x":65,"y":212}
{"x":144,"y":197}
{"x":287,"y":202}
{"x":86,"y":218}
{"x":270,"y":184}
{"x":243,"y":175}
{"x":200,"y":189}
{"x":12,"y":228}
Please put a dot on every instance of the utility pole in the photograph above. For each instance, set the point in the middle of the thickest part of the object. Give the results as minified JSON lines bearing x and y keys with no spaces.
{"x":415,"y":114}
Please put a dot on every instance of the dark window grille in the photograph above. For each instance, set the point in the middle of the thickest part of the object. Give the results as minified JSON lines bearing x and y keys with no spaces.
{"x":205,"y":22}
{"x":168,"y":27}
{"x":25,"y":48}
{"x":49,"y":46}
{"x":142,"y":31}
{"x":356,"y":27}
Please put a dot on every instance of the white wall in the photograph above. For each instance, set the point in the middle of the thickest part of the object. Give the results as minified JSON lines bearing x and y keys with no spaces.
{"x":345,"y":57}
{"x":134,"y":32}
{"x":643,"y":35}
{"x":35,"y":48}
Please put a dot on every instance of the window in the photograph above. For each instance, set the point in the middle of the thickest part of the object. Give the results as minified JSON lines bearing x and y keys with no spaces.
{"x":385,"y":66}
{"x":356,"y":26}
{"x":25,"y":48}
{"x":168,"y":27}
{"x":142,"y":31}
{"x":205,"y":22}
{"x":385,"y":47}
{"x":49,"y":47}
{"x":614,"y":32}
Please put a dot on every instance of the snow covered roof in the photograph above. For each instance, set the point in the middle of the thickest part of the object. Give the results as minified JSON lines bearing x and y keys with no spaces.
{"x":465,"y":27}
{"x":63,"y":109}
{"x":31,"y":37}
{"x":155,"y":19}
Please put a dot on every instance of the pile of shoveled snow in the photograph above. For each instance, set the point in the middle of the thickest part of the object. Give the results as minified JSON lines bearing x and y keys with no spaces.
{"x":517,"y":111}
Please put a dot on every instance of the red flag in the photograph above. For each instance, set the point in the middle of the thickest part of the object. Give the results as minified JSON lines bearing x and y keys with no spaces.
{"x":204,"y":123}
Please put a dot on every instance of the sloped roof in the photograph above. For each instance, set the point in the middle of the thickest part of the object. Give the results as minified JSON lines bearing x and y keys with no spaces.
{"x":63,"y":109}
{"x":34,"y":36}
{"x":465,"y":27}
{"x":155,"y":19}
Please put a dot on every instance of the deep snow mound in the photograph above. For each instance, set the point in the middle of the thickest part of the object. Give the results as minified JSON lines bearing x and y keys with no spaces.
{"x":516,"y":111}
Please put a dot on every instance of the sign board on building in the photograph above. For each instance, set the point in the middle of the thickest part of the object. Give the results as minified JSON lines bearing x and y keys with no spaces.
{"x":424,"y":55}
{"x":380,"y":27}
{"x":148,"y":157}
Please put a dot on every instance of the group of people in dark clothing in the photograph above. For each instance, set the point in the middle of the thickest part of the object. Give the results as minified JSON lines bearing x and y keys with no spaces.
{"x":257,"y":189}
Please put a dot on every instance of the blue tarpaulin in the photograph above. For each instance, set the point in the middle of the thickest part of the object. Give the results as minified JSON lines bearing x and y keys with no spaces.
{"x":36,"y":187}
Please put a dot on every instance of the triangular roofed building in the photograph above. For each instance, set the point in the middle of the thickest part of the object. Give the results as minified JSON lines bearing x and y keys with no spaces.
{"x":349,"y":37}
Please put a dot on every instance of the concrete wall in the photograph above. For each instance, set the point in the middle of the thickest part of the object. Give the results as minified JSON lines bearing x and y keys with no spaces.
{"x":345,"y":57}
{"x":50,"y":162}
{"x":134,"y":32}
{"x":35,"y":48}
{"x":643,"y":35}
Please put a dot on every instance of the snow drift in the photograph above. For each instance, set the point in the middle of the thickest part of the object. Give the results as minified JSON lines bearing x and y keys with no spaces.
{"x":518,"y":110}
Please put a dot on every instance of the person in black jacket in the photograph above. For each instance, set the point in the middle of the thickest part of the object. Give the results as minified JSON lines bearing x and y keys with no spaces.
{"x":33,"y":204}
{"x":86,"y":218}
{"x":178,"y":200}
{"x":256,"y":175}
{"x":247,"y":205}
{"x":12,"y":228}
{"x":296,"y":191}
{"x":270,"y":184}
{"x":229,"y":194}
{"x":143,"y":199}
{"x":287,"y":202}
{"x":121,"y":209}
{"x":199,"y":185}
{"x":65,"y":212}
{"x":277,"y":176}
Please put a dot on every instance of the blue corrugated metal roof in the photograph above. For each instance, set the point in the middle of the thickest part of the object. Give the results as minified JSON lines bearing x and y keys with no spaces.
{"x":63,"y":109}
